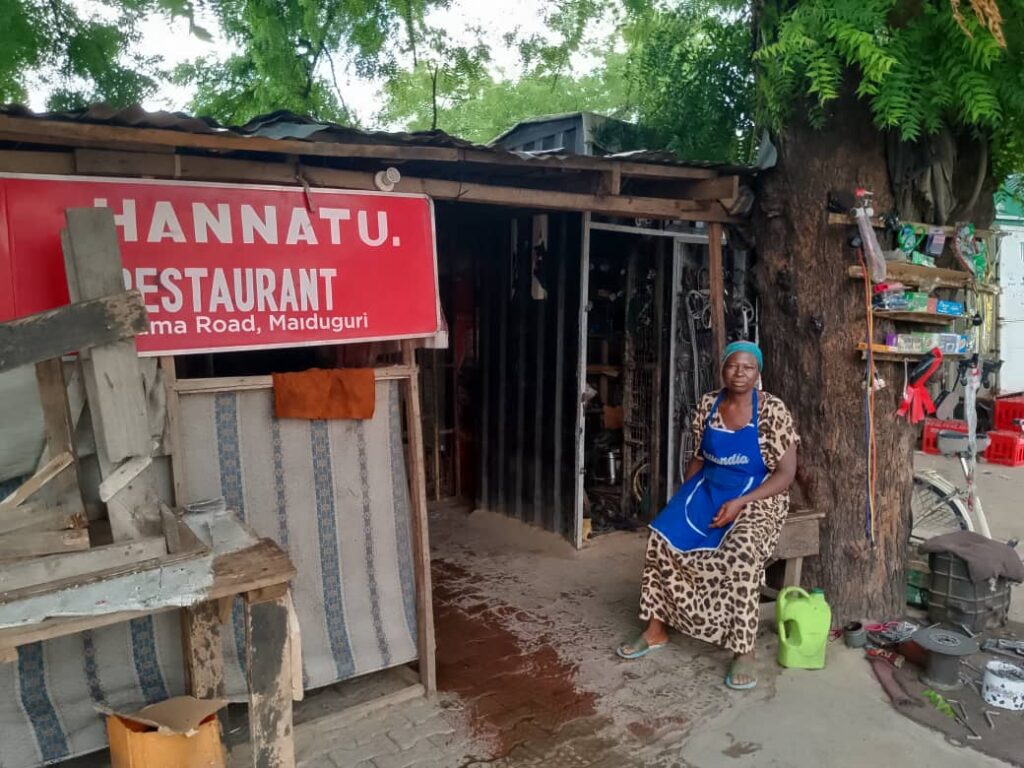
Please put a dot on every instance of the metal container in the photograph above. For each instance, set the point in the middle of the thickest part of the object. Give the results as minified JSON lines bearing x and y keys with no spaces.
{"x":1003,"y":686}
{"x":613,"y":465}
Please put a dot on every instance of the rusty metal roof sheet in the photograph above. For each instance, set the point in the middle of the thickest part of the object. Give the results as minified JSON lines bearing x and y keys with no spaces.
{"x":287,"y":125}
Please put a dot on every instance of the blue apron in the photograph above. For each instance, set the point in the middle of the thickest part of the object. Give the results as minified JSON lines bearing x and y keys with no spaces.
{"x":732,"y":466}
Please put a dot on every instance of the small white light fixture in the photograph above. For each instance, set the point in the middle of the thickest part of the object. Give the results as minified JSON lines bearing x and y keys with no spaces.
{"x":386,"y":180}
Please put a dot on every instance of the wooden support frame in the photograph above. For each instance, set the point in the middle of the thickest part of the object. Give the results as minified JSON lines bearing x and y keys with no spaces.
{"x":407,"y":373}
{"x":205,"y":168}
{"x":67,"y":329}
{"x":716,"y":272}
{"x":123,"y":139}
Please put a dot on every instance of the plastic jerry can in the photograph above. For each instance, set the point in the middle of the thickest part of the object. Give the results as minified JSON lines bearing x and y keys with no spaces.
{"x":804,"y":620}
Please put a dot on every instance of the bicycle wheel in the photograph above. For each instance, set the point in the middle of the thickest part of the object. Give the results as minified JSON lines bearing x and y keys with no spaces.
{"x":936,"y":508}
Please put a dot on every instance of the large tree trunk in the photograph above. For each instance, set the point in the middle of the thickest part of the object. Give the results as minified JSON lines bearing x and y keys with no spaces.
{"x":812,"y":317}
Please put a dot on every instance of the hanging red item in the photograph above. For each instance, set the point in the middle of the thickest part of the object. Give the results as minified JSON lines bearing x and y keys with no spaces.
{"x":917,"y":403}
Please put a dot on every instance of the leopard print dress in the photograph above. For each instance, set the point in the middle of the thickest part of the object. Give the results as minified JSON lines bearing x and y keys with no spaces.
{"x":712,"y":595}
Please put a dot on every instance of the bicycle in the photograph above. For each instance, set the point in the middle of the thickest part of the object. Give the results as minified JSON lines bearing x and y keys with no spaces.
{"x":939,"y":506}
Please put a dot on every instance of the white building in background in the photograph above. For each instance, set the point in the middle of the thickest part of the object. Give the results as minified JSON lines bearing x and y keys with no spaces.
{"x":1010,"y":220}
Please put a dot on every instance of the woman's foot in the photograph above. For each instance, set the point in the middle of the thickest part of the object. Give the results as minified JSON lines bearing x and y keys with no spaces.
{"x":741,"y":675}
{"x":652,"y":638}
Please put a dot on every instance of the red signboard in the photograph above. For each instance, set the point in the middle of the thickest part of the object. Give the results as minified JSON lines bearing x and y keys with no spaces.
{"x":229,"y":267}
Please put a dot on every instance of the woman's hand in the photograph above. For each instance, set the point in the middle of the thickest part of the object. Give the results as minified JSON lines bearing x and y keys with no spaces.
{"x":728,"y":513}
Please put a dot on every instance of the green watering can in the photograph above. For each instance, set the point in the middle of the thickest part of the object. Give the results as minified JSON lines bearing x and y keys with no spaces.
{"x":805,"y":621}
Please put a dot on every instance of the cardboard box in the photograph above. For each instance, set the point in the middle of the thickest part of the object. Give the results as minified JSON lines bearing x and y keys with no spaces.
{"x":182,"y":732}
{"x":950,"y":308}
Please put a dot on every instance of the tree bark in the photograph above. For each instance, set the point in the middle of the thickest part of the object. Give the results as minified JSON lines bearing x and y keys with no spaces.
{"x":812,"y":317}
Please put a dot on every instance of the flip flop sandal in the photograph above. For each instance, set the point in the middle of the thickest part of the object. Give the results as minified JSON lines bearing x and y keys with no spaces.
{"x":742,"y":668}
{"x":637,"y":648}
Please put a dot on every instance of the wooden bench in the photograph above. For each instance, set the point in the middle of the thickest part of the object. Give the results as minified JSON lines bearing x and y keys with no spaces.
{"x":800,"y":538}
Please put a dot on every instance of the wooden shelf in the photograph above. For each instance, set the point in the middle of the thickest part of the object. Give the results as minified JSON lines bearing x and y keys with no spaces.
{"x":926,"y":318}
{"x":914,"y":275}
{"x":842,"y":219}
{"x":604,"y":370}
{"x":899,"y":357}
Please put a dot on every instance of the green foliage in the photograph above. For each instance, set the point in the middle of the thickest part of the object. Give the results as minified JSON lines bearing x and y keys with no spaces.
{"x":481,"y":107}
{"x":692,"y":80}
{"x":917,"y":66}
{"x":287,"y":52}
{"x":80,"y":56}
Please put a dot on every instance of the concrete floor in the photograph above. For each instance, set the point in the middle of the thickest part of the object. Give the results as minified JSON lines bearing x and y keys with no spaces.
{"x":528,"y":676}
{"x":527,"y":628}
{"x":839,"y":716}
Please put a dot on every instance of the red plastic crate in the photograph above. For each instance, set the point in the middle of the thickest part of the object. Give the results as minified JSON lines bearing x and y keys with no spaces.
{"x":1008,"y":409}
{"x":932,"y":427}
{"x":1006,"y":448}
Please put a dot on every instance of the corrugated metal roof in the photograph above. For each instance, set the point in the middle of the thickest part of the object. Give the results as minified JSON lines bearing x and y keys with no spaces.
{"x":287,"y":125}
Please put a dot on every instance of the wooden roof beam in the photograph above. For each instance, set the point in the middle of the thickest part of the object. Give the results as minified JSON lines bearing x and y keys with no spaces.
{"x":198,"y":168}
{"x":40,"y":131}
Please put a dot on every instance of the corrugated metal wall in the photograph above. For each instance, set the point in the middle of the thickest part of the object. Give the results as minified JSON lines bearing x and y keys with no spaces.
{"x":529,"y":352}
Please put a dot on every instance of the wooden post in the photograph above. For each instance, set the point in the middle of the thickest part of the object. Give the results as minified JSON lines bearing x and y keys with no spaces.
{"x":575,"y":527}
{"x":113,"y":381}
{"x":716,"y":270}
{"x":60,"y":436}
{"x":269,"y":670}
{"x":174,"y":434}
{"x":558,"y":503}
{"x":204,"y":650}
{"x":426,"y":642}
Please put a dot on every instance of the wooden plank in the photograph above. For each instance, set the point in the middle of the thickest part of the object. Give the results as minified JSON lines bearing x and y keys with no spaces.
{"x":113,"y":382}
{"x":40,"y":517}
{"x":98,"y":162}
{"x":266,"y":594}
{"x":269,"y":674}
{"x":923,"y":318}
{"x":611,"y":181}
{"x":232,"y":170}
{"x":560,"y":368}
{"x":125,"y":473}
{"x":877,"y":222}
{"x":25,"y":161}
{"x":34,"y":543}
{"x":720,"y":188}
{"x":575,"y":526}
{"x":67,"y":329}
{"x":716,"y":270}
{"x":203,"y":650}
{"x":792,"y":571}
{"x":915,"y":275}
{"x":799,"y":538}
{"x":527,"y":198}
{"x":426,"y":641}
{"x":175,"y":439}
{"x":75,"y":398}
{"x":57,"y":568}
{"x":59,"y":428}
{"x":53,"y":467}
{"x":247,"y":383}
{"x":255,"y":567}
{"x":121,"y":138}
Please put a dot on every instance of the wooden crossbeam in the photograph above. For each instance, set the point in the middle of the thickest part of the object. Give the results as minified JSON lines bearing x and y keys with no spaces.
{"x":67,"y":329}
{"x":122,"y":138}
{"x":32,"y":543}
{"x":200,"y":168}
{"x":50,"y":470}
